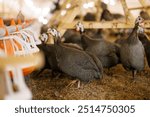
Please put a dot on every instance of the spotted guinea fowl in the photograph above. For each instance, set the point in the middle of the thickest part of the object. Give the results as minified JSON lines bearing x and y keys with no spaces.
{"x":132,"y":50}
{"x":89,"y":17}
{"x":49,"y":55}
{"x":146,"y":43}
{"x":76,"y":62}
{"x":108,"y":16}
{"x":72,"y":36}
{"x":104,"y":50}
{"x":144,"y":15}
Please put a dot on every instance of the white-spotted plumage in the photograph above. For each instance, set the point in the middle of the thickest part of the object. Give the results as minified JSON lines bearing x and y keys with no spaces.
{"x":53,"y":32}
{"x":79,"y":27}
{"x":44,"y":37}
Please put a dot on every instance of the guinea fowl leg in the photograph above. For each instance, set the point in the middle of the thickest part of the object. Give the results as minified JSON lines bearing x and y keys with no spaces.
{"x":133,"y":74}
{"x":73,"y":82}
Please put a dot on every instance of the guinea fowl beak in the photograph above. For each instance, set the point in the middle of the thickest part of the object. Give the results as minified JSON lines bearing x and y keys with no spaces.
{"x":76,"y":28}
{"x":142,"y":23}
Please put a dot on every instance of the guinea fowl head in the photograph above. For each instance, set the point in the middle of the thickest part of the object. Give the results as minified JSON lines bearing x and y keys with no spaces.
{"x":54,"y":33}
{"x":44,"y":37}
{"x":79,"y":27}
{"x":139,"y":22}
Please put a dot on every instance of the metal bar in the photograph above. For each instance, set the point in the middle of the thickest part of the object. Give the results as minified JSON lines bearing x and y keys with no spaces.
{"x":99,"y":10}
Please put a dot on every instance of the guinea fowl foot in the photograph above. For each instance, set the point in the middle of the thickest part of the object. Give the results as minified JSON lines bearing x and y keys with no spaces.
{"x":133,"y":80}
{"x":73,"y":82}
{"x":55,"y":75}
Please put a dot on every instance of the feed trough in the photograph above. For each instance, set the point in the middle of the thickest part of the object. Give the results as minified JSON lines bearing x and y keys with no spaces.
{"x":18,"y":43}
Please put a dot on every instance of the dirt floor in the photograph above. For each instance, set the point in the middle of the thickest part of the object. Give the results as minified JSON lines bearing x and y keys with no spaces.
{"x":119,"y":85}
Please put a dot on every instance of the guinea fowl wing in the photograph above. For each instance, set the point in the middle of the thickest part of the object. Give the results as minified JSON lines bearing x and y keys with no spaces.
{"x":132,"y":54}
{"x":146,"y":43}
{"x":76,"y":63}
{"x":88,"y":41}
{"x":73,"y":55}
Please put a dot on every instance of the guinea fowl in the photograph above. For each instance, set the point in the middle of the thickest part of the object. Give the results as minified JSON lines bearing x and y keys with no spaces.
{"x":76,"y":62}
{"x":144,"y":15}
{"x":57,"y":6}
{"x":89,"y":17}
{"x":50,"y":56}
{"x":120,"y":41}
{"x":108,"y":16}
{"x":103,"y":5}
{"x":121,"y":37}
{"x":132,"y":50}
{"x":43,"y":29}
{"x":146,"y":43}
{"x":72,"y":37}
{"x":104,"y":50}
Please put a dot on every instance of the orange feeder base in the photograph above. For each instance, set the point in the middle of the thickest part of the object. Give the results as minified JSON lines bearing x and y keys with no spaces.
{"x":26,"y":71}
{"x":29,"y":70}
{"x":10,"y":48}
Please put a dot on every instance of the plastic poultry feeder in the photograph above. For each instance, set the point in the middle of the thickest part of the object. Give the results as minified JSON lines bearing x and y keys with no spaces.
{"x":16,"y":88}
{"x":27,"y":36}
{"x":18,"y":43}
{"x":29,"y":29}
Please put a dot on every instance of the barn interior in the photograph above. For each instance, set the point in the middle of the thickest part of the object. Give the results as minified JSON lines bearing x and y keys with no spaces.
{"x":75,"y":49}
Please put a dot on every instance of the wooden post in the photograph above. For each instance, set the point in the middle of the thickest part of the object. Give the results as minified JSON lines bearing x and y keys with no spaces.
{"x":69,"y":17}
{"x":128,"y":16}
{"x":57,"y":14}
{"x":68,"y":22}
{"x":98,"y":25}
{"x":81,"y":7}
{"x":135,"y":8}
{"x":63,"y":6}
{"x":99,"y":10}
{"x":71,"y":14}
